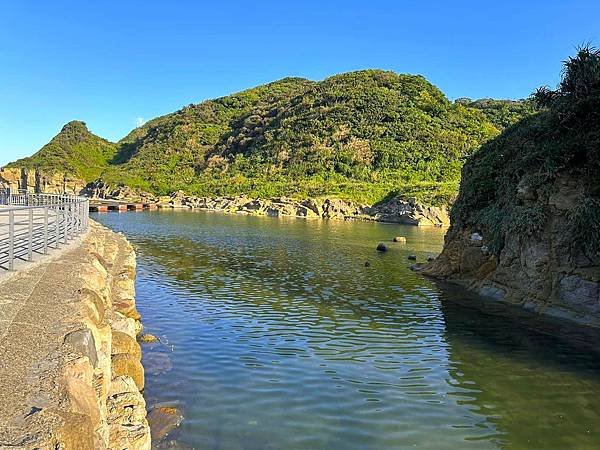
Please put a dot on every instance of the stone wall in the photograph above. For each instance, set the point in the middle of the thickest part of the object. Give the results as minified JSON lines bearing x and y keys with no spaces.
{"x":86,"y":364}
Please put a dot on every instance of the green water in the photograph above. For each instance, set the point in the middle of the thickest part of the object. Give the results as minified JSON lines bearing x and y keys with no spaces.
{"x":276,"y":336}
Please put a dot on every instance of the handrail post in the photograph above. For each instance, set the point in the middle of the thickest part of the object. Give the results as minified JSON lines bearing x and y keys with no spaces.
{"x":56,"y":227}
{"x":11,"y":240}
{"x":66,"y":213}
{"x":70,"y":225}
{"x":30,"y":236}
{"x":78,"y":218}
{"x":64,"y":220}
{"x":45,"y":230}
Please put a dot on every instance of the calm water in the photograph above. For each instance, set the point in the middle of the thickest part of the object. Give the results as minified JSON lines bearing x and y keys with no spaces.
{"x":276,"y":336}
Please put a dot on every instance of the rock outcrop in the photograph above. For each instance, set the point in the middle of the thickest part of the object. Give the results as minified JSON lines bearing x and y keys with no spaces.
{"x":526,"y":224}
{"x":35,"y":180}
{"x":547,"y":272}
{"x":408,"y":212}
{"x":71,"y":376}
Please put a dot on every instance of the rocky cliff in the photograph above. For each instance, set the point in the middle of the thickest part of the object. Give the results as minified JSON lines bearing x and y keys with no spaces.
{"x":38,"y":180}
{"x":547,"y":272}
{"x":71,"y":376}
{"x":526,"y":224}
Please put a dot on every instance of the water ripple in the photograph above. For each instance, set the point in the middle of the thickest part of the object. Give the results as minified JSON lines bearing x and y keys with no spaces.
{"x":281,"y":338}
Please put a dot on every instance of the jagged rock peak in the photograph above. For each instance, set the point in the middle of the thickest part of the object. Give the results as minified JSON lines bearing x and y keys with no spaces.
{"x":75,"y":126}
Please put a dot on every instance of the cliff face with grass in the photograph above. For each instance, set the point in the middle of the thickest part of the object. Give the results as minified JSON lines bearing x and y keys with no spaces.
{"x":526,"y":224}
{"x":359,"y":136}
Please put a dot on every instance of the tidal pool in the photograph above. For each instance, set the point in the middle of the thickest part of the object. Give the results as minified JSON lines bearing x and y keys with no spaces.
{"x":277,"y":336}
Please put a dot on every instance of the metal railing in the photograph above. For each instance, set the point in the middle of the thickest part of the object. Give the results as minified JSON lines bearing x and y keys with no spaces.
{"x":33,"y":223}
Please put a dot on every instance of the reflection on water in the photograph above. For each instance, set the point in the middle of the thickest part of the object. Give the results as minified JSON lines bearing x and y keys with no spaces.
{"x":281,"y":338}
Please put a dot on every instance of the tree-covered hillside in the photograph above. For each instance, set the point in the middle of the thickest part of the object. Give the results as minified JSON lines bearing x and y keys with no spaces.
{"x":502,"y":113}
{"x":75,"y":151}
{"x":357,"y":136}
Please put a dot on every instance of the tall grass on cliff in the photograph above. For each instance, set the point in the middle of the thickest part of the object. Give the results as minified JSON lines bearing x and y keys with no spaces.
{"x":506,"y":186}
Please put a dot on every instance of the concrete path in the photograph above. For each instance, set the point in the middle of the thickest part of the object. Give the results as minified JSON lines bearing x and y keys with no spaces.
{"x":34,"y":305}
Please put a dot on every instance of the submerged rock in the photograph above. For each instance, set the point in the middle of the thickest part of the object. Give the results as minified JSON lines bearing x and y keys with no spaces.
{"x":148,"y":338}
{"x":381,"y":247}
{"x":400,"y":239}
{"x":157,"y":363}
{"x":412,"y":257}
{"x":163,"y":420}
{"x":170,"y":444}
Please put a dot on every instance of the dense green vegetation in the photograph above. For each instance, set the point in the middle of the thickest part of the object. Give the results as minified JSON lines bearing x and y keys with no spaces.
{"x":563,"y":140}
{"x":502,"y":113}
{"x":357,"y":136}
{"x":74,"y":151}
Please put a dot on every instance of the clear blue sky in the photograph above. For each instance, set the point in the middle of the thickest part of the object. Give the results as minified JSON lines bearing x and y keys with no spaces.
{"x":110,"y":63}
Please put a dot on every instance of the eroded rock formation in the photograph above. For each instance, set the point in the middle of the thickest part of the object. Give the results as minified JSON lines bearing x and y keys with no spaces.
{"x":548,"y":273}
{"x":34,"y":180}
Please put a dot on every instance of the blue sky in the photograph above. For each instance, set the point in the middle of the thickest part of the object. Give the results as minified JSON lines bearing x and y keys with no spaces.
{"x":112,"y":63}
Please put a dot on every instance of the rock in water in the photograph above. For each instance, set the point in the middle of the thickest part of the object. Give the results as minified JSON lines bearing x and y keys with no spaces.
{"x":400,"y":239}
{"x":148,"y":338}
{"x":163,"y":420}
{"x":367,"y":264}
{"x":412,"y":257}
{"x":381,"y":247}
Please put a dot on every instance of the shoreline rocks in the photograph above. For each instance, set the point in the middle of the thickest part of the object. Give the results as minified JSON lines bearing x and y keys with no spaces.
{"x":381,"y":247}
{"x":163,"y":420}
{"x":396,"y":210}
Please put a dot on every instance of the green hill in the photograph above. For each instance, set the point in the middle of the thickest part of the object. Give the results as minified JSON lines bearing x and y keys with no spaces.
{"x":502,"y":113}
{"x":358,"y":136}
{"x":75,"y":151}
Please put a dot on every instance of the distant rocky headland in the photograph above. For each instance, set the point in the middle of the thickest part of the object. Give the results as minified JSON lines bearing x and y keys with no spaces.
{"x":394,"y":210}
